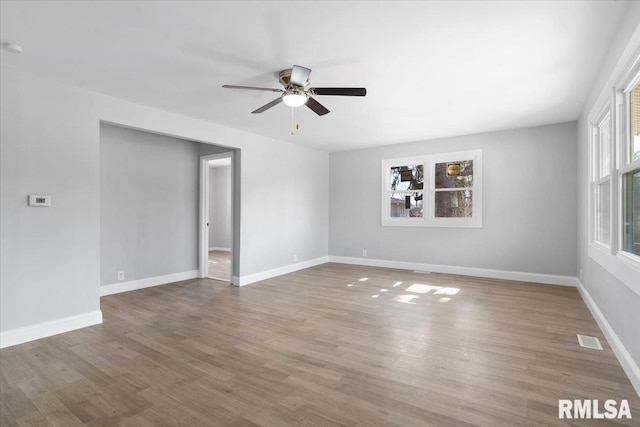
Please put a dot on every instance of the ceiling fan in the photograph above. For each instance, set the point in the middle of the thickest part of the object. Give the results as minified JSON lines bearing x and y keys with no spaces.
{"x":296,"y":93}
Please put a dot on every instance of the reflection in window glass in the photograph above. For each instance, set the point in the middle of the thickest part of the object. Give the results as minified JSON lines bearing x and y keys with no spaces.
{"x":410,"y":177}
{"x":454,"y":204}
{"x":603,"y":213}
{"x":454,"y":174}
{"x":634,"y":107}
{"x":406,"y":205}
{"x":631,"y":224}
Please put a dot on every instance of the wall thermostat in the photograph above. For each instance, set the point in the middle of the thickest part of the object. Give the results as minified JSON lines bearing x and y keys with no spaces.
{"x":39,"y":200}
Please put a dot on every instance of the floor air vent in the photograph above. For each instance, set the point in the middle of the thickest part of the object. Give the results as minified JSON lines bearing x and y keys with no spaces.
{"x":589,"y":342}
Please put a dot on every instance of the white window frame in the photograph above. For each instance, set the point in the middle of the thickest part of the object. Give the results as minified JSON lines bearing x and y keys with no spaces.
{"x":623,"y":265}
{"x":429,"y":219}
{"x":596,"y":178}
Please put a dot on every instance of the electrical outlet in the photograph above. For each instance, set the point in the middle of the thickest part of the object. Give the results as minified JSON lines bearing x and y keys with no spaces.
{"x":364,"y":252}
{"x":580,"y":274}
{"x":295,"y":258}
{"x":120,"y":275}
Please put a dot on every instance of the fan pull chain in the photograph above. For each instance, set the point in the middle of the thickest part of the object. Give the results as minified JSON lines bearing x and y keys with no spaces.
{"x":297,"y":126}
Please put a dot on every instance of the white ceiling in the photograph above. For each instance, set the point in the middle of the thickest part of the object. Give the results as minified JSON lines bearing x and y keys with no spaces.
{"x":432,"y":69}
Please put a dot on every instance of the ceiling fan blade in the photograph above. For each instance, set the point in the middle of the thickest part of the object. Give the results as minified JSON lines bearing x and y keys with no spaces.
{"x":344,"y":91}
{"x":267,"y":106}
{"x":268,"y":89}
{"x":299,"y":75}
{"x":318,"y":108}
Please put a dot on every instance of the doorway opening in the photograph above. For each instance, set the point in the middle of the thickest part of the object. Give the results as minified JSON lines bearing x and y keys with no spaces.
{"x":217,"y":189}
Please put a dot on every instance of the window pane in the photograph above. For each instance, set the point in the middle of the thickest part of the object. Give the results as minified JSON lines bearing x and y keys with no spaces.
{"x":454,"y":174}
{"x":603,"y":212}
{"x":604,"y":148}
{"x":634,"y":107}
{"x":405,"y":205}
{"x":454,"y":204}
{"x":408,"y":177}
{"x":631,"y":209}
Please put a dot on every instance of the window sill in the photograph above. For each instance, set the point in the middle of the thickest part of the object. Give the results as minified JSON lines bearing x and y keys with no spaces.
{"x":442,"y":223}
{"x":622,"y":266}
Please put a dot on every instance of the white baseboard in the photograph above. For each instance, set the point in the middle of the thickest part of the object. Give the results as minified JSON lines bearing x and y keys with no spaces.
{"x":519,"y":276}
{"x":46,"y":329}
{"x":133,"y":285}
{"x":263,"y":275}
{"x":628,"y":364}
{"x":217,"y":248}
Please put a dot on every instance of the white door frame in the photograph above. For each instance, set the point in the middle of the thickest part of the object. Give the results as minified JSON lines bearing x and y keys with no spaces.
{"x":203,"y":247}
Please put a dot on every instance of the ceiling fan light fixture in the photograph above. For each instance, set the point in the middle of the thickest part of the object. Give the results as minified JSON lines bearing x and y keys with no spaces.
{"x":294,"y":99}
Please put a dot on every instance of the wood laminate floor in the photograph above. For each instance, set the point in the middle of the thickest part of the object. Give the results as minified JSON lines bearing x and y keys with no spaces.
{"x":219,"y":265}
{"x":329,"y":345}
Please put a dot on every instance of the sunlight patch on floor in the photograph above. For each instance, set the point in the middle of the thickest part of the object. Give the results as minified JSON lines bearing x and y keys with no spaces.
{"x":422,"y":289}
{"x":407,"y":299}
{"x":439,"y":290}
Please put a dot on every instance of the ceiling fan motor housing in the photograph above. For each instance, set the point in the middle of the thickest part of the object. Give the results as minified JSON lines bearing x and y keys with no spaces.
{"x":285,"y":78}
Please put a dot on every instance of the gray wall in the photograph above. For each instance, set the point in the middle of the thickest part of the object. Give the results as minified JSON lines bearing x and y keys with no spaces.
{"x":529,"y":204}
{"x":148,"y":204}
{"x":284,"y":206}
{"x":220,"y":207}
{"x":619,"y":304}
{"x":50,"y":144}
{"x":49,"y":257}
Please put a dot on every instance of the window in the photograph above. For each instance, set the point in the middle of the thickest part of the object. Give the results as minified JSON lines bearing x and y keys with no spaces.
{"x":615,"y":178}
{"x":634,"y":114}
{"x":602,"y":179}
{"x":630,"y":174}
{"x":631,"y":211}
{"x":405,"y":191}
{"x":454,"y":189}
{"x":440,"y":190}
